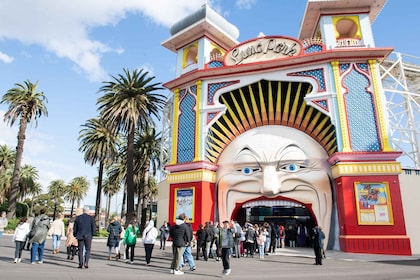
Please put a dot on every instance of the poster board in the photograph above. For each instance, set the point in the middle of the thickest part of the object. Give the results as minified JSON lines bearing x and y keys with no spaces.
{"x":373,"y":203}
{"x":184,"y":203}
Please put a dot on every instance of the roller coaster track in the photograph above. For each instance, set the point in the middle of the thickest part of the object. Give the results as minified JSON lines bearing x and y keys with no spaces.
{"x":400,"y":75}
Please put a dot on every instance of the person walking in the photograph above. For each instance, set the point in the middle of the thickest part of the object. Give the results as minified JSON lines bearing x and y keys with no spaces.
{"x":187,"y":256}
{"x":19,"y":237}
{"x":201,"y":242}
{"x":178,"y":233}
{"x":114,"y":229}
{"x":164,"y":234}
{"x":209,"y":239}
{"x":71,"y":241}
{"x":226,"y":243}
{"x":236,"y":239}
{"x":317,"y":237}
{"x":84,"y":230}
{"x":130,"y":240}
{"x":39,"y":229}
{"x":57,"y":231}
{"x":149,"y":236}
{"x":3,"y":222}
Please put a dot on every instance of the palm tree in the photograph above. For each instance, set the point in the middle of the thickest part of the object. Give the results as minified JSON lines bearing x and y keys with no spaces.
{"x":34,"y":191}
{"x":7,"y":157}
{"x":129,"y":103}
{"x":148,"y":148}
{"x":26,"y":105}
{"x":76,"y":191}
{"x":56,"y":189}
{"x":98,"y":143}
{"x":28,"y":177}
{"x":110,"y":189}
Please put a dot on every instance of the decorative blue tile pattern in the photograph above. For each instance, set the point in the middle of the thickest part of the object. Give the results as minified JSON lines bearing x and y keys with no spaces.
{"x":212,"y":88}
{"x":313,"y":49}
{"x":360,"y":112}
{"x":363,"y":66}
{"x":210,"y":116}
{"x":344,"y":67}
{"x":186,"y":131}
{"x":215,"y":64}
{"x":317,"y":74}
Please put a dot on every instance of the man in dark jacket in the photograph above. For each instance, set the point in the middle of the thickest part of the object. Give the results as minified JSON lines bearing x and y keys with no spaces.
{"x":179,"y":235}
{"x":317,"y":237}
{"x":84,"y":229}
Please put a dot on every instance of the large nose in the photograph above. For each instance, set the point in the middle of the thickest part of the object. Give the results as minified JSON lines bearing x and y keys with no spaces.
{"x":271,"y":183}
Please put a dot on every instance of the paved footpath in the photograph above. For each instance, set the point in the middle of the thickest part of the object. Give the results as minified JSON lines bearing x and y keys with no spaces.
{"x":288,"y":263}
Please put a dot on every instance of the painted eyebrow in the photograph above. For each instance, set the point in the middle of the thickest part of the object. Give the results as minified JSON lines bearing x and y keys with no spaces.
{"x":247,"y":149}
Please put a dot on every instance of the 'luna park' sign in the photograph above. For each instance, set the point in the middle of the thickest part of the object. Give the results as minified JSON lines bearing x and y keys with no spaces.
{"x":263,"y":49}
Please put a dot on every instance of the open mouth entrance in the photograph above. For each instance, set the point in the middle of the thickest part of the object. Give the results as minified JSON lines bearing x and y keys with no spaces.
{"x":290,"y":214}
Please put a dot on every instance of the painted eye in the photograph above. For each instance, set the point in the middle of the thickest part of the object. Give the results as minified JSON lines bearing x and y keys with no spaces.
{"x":248,"y":170}
{"x":291,"y":167}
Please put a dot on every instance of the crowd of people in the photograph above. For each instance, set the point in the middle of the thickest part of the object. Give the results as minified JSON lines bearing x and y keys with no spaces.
{"x":219,"y":241}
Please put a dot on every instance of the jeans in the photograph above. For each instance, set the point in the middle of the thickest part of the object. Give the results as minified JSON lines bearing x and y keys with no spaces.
{"x":37,"y":249}
{"x":19,"y":248}
{"x":225,"y":258}
{"x":187,"y":257}
{"x":129,"y":252}
{"x":148,"y":248}
{"x":56,"y":241}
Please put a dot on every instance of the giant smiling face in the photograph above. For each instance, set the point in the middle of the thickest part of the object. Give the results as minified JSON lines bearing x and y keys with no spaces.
{"x":275,"y":162}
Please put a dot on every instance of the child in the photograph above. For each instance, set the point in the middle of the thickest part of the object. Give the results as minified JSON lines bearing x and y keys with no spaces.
{"x":19,"y":237}
{"x":261,"y":238}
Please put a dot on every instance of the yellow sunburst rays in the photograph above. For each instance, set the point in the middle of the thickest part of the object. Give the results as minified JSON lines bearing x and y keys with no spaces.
{"x":271,"y":119}
{"x":286,"y":105}
{"x":278,"y":104}
{"x":257,"y":116}
{"x":301,"y":113}
{"x":263,"y":109}
{"x":292,"y":115}
{"x":248,"y":113}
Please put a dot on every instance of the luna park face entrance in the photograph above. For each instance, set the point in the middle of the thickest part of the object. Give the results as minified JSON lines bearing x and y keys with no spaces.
{"x":290,"y":214}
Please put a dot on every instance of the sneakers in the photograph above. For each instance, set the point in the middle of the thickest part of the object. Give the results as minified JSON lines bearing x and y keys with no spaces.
{"x":178,"y":272}
{"x":226,"y":272}
{"x":16,"y":260}
{"x":193,"y":268}
{"x":171,"y":271}
{"x":40,"y":262}
{"x":19,"y":260}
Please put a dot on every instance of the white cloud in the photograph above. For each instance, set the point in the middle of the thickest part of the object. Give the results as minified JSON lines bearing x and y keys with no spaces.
{"x":5,"y":58}
{"x":63,"y":27}
{"x":245,"y":4}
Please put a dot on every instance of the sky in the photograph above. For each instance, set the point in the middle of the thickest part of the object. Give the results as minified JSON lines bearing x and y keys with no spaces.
{"x":72,"y":47}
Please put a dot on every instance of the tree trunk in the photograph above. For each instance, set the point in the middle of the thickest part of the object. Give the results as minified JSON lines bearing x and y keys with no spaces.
{"x":16,"y":171}
{"x":108,"y":209}
{"x":98,"y":196}
{"x":145,"y":194}
{"x":130,"y":177}
{"x":123,"y":204}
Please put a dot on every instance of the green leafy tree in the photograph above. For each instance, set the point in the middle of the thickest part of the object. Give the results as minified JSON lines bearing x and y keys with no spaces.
{"x":99,"y":144}
{"x":129,"y":102}
{"x":56,"y":190}
{"x":25,"y":105}
{"x":28,"y":179}
{"x":110,"y":189}
{"x":76,"y":191}
{"x":148,"y":148}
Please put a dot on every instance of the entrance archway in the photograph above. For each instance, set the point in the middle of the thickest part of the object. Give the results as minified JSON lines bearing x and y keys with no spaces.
{"x":276,"y":212}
